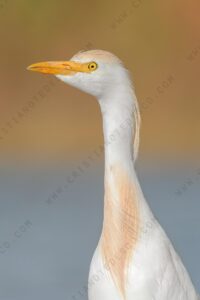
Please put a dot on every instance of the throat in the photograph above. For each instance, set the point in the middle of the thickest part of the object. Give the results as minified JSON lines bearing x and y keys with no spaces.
{"x":121,"y":209}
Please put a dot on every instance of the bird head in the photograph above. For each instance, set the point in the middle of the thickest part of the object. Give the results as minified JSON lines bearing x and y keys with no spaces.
{"x":101,"y":74}
{"x":95,"y":72}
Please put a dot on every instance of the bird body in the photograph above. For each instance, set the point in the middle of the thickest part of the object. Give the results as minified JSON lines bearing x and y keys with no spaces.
{"x":134,"y":258}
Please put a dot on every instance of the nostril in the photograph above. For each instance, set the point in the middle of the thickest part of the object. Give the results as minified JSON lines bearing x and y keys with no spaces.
{"x":67,"y":66}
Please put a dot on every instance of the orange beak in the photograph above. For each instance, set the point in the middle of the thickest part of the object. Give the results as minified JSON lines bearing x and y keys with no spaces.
{"x":59,"y":67}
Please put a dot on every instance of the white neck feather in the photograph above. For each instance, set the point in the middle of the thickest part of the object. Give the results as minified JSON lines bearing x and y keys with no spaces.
{"x":121,"y":125}
{"x":123,"y":196}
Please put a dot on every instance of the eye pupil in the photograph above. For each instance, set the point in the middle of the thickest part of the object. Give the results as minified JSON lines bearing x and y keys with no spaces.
{"x":92,"y":66}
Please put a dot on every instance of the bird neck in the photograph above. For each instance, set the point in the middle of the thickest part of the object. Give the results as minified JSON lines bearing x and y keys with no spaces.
{"x":121,"y":210}
{"x":118,"y":126}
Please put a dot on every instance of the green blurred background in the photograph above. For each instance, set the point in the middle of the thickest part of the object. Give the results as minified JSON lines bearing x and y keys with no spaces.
{"x":50,"y":211}
{"x":158,"y":42}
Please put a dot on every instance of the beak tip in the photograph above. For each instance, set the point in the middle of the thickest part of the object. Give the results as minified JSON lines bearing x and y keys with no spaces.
{"x":29,"y":68}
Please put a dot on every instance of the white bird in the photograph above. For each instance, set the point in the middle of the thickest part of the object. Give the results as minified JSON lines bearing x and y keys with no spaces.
{"x":134,"y":259}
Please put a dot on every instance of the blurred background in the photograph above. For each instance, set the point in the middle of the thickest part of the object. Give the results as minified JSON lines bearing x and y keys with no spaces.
{"x":50,"y":211}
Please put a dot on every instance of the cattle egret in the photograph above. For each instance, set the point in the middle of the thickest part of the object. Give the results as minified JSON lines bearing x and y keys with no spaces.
{"x":134,"y":259}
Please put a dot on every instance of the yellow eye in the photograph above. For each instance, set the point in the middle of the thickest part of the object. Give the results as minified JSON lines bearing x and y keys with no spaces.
{"x":92,"y":66}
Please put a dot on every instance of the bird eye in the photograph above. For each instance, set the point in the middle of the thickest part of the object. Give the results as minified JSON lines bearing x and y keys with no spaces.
{"x":92,"y":66}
